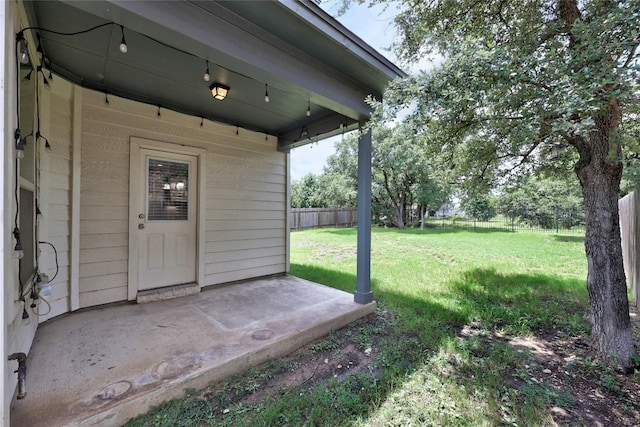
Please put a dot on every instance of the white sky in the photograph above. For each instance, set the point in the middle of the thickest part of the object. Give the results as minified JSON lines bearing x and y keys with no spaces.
{"x":375,"y":29}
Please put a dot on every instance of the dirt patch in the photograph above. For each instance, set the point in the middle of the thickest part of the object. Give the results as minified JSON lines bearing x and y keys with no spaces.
{"x":558,"y":369}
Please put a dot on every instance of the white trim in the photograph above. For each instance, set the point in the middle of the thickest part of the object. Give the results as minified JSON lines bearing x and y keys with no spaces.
{"x":6,"y":271}
{"x":76,"y":175}
{"x":287,"y":214}
{"x":134,"y":158}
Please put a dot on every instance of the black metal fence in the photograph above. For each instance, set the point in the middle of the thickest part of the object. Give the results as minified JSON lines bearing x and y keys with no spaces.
{"x":554,"y":220}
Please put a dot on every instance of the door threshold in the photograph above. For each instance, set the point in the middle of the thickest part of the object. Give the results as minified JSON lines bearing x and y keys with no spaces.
{"x":167,"y":292}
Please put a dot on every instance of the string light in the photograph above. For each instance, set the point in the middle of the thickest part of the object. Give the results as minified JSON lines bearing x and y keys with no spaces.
{"x":24,"y":51}
{"x":207,"y":76}
{"x":40,"y":138}
{"x":219,"y":93}
{"x":18,"y":251}
{"x":44,"y":79}
{"x":24,"y":55}
{"x":123,"y":42}
{"x":39,"y":215}
{"x":20,"y":148}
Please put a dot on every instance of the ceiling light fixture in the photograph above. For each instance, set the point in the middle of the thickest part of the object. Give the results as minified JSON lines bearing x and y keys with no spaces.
{"x":266,"y":93}
{"x":123,"y":42}
{"x":207,"y":76}
{"x":219,"y":91}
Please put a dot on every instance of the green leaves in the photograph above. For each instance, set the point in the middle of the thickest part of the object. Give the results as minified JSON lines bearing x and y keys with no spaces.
{"x":513,"y":69}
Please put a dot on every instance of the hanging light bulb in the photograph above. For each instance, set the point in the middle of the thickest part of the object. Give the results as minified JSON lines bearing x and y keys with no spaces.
{"x":123,"y":42}
{"x":266,"y":93}
{"x":309,"y":109}
{"x":24,"y":55}
{"x":20,"y":148}
{"x":207,"y":76}
{"x":18,"y":251}
{"x":24,"y":51}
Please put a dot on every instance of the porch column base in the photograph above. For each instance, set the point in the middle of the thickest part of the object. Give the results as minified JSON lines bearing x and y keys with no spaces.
{"x":363,"y":298}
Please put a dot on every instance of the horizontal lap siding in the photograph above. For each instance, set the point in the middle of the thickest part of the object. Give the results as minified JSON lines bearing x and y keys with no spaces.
{"x":57,"y":211}
{"x":245,"y":206}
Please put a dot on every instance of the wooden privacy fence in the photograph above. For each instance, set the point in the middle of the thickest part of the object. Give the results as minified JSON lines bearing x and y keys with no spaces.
{"x":630,"y":232}
{"x":303,"y":218}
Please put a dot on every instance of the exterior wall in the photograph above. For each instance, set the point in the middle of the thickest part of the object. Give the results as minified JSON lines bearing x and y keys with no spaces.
{"x":17,"y":334}
{"x":55,"y":194}
{"x":629,"y":215}
{"x":245,"y":227}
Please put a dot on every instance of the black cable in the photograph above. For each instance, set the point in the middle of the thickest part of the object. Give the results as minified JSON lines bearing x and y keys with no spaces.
{"x":67,"y":34}
{"x":56,"y":257}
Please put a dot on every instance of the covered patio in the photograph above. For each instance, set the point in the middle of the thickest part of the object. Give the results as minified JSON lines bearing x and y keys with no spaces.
{"x":149,"y":158}
{"x":114,"y":362}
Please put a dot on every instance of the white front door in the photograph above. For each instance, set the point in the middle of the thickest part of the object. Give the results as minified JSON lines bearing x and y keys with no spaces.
{"x":167,"y":218}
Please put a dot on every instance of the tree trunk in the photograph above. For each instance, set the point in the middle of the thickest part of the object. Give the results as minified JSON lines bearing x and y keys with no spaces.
{"x":599,"y":170}
{"x":400,"y":215}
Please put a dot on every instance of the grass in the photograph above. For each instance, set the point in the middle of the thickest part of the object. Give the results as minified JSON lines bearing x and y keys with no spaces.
{"x":452,"y":300}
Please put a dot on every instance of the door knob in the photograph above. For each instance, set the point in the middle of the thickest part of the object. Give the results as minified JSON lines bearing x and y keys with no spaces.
{"x":140,"y":226}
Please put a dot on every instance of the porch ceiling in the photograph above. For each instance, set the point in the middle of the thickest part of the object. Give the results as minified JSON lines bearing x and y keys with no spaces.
{"x":303,"y":55}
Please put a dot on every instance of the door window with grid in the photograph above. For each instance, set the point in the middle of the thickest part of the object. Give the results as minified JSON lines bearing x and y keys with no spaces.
{"x":167,"y":190}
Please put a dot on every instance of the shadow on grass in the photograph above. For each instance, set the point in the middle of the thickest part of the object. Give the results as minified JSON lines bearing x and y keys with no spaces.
{"x":413,"y":231}
{"x":435,"y":362}
{"x":460,"y":324}
{"x":352,"y":231}
{"x":569,"y":239}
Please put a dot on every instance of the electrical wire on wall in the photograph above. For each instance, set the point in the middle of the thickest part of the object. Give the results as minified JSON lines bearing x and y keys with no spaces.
{"x":18,"y":250}
{"x":38,"y":285}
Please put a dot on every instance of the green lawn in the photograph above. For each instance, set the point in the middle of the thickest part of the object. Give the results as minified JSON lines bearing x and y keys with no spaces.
{"x":451,"y":305}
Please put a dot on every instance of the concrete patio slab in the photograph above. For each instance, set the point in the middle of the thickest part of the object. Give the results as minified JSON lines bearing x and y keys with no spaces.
{"x":105,"y":365}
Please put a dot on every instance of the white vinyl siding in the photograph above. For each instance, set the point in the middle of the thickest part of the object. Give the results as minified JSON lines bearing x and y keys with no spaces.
{"x":55,"y":202}
{"x":245,"y":206}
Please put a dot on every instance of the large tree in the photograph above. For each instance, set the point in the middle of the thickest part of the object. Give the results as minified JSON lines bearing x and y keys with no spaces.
{"x":401,"y":176}
{"x":520,"y":79}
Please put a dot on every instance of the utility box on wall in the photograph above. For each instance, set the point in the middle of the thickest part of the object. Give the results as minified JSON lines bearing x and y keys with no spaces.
{"x":629,"y":218}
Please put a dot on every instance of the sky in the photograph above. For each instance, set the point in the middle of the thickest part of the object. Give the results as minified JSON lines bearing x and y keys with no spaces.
{"x":375,"y":27}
